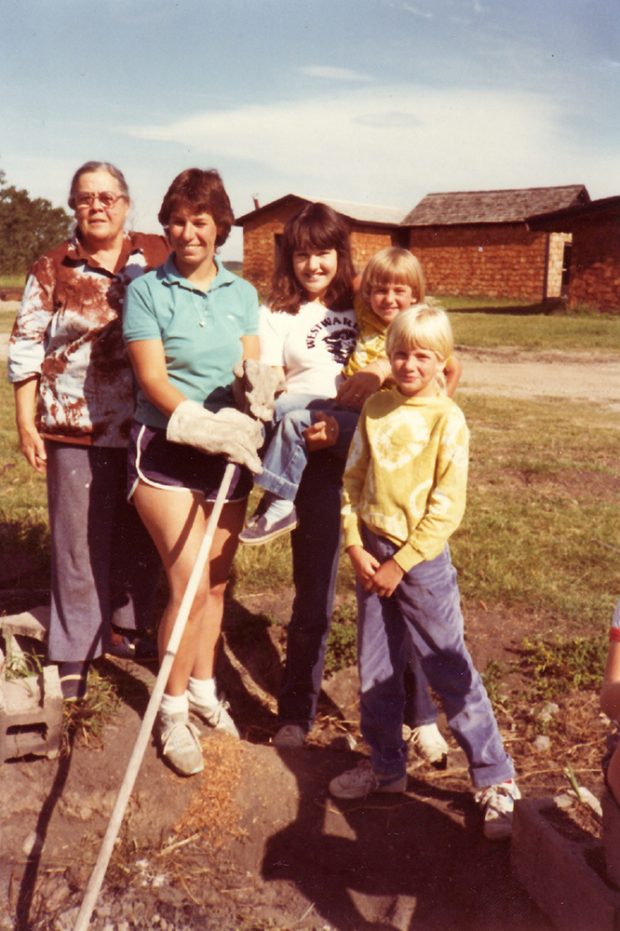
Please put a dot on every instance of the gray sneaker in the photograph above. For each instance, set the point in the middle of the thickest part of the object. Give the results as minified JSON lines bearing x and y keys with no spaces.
{"x":362,"y":781}
{"x":216,"y":716}
{"x":260,"y":529}
{"x":289,"y":737}
{"x":427,"y":742}
{"x":497,"y":805}
{"x":179,"y":743}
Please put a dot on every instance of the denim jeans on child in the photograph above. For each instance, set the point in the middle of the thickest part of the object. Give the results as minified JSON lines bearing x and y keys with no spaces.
{"x":286,"y":455}
{"x":423,"y":610}
{"x":316,"y":552}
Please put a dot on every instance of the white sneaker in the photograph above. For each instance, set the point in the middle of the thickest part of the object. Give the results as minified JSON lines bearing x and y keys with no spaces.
{"x":216,"y":716}
{"x":428,"y":743}
{"x":362,"y":781}
{"x":497,"y":804}
{"x":180,"y":745}
{"x":289,"y":737}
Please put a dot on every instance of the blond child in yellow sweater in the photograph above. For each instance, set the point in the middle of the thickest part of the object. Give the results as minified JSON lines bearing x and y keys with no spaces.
{"x":404,"y":495}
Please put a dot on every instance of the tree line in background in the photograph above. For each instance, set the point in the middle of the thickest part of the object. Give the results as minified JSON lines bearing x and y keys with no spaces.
{"x":28,"y":227}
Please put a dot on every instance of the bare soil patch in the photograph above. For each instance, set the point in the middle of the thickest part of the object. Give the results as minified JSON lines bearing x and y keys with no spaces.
{"x":255,"y":842}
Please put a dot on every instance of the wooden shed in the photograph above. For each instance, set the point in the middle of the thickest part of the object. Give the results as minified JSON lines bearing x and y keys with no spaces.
{"x":595,"y":260}
{"x":372,"y":228}
{"x":479,"y":243}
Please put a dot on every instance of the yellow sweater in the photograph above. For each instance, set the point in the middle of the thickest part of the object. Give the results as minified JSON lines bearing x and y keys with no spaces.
{"x":406,"y":474}
{"x":370,"y":345}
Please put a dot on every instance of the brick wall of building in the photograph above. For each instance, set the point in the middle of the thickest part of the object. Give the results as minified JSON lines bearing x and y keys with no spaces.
{"x":595,"y":266}
{"x":259,"y":246}
{"x":366,"y":240}
{"x":495,"y":261}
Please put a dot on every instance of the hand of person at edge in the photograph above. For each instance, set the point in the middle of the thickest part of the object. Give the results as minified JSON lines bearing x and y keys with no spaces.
{"x":364,"y":565}
{"x":32,"y":446}
{"x":323,"y":433}
{"x":386,"y":579}
{"x":354,"y":391}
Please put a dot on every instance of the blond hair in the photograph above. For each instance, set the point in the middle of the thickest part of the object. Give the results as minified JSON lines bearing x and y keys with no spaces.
{"x":423,"y":326}
{"x":393,"y":265}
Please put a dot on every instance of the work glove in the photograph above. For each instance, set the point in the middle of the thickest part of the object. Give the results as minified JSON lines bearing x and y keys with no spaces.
{"x":255,"y":388}
{"x":227,"y":433}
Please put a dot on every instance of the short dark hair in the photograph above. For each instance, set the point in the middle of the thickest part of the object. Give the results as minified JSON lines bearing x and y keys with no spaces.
{"x":88,"y":167}
{"x":201,"y":192}
{"x":316,"y":226}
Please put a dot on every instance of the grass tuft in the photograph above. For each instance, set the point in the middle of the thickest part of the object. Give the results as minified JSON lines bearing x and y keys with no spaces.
{"x":562,"y":664}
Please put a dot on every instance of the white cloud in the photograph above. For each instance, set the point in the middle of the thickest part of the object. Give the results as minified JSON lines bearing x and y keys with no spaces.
{"x":416,"y":10}
{"x":390,"y":145}
{"x":334,"y":74}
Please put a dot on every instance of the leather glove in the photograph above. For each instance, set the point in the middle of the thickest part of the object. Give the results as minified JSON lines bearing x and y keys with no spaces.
{"x":227,"y":433}
{"x":255,"y":388}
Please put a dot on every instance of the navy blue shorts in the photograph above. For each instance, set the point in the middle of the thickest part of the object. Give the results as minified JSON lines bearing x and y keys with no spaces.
{"x":161,"y":464}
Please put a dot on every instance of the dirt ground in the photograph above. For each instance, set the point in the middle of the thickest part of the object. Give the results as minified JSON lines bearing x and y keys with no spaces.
{"x":255,"y":842}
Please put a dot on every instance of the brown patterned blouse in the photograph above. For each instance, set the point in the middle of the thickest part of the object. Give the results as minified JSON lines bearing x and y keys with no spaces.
{"x":68,"y":332}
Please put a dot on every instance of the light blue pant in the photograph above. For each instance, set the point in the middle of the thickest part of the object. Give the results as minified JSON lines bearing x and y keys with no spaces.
{"x":286,"y":456}
{"x":424,"y":611}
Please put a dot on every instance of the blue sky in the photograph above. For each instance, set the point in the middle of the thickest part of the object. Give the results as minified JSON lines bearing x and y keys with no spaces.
{"x":375,"y":101}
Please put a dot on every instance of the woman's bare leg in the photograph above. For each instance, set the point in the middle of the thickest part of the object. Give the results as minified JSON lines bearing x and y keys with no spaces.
{"x":177,"y":521}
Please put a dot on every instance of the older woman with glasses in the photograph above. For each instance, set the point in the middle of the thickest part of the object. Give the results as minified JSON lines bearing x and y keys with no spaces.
{"x":74,"y":398}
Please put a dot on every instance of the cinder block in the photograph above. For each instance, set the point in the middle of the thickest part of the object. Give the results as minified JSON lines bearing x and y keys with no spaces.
{"x":33,"y":623}
{"x":31,"y":715}
{"x":556,"y":874}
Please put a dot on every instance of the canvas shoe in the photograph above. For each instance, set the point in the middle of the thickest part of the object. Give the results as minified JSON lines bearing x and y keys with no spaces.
{"x":180,"y":744}
{"x":216,"y":716}
{"x":73,"y":678}
{"x":497,"y":805}
{"x":428,"y":743}
{"x":362,"y":781}
{"x":260,"y":529}
{"x":289,"y":737}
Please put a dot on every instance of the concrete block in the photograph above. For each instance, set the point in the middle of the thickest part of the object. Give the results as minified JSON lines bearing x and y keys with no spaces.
{"x":34,"y":623}
{"x":557,"y":874}
{"x":31,"y":715}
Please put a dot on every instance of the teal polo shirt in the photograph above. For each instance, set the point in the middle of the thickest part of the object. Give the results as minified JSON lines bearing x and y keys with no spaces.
{"x":201,"y":332}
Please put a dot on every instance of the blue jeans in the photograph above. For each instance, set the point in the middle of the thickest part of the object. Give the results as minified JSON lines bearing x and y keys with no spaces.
{"x":286,"y":456}
{"x":316,"y":551}
{"x":424,"y":611}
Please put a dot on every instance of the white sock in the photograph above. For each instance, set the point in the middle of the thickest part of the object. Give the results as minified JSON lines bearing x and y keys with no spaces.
{"x":203,"y":691}
{"x":174,"y":704}
{"x":278,"y":509}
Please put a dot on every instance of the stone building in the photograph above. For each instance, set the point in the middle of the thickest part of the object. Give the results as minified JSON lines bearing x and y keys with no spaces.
{"x":372,"y":228}
{"x":469,"y":242}
{"x":478,"y":242}
{"x":595,"y":261}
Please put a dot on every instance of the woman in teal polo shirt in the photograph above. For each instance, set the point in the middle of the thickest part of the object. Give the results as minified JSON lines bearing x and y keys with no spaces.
{"x":186,"y":325}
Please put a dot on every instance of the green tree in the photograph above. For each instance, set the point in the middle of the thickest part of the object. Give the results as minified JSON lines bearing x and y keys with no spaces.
{"x":28,"y":227}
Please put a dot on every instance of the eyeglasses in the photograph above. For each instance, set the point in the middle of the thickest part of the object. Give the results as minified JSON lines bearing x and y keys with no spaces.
{"x":87,"y":198}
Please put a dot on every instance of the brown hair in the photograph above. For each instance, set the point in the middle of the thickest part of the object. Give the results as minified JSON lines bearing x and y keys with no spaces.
{"x":201,"y":192}
{"x":88,"y":167}
{"x":314,"y":228}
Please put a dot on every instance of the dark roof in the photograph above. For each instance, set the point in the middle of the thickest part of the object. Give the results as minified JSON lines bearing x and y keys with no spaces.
{"x":508,"y":206}
{"x":564,"y":220}
{"x":362,"y":213}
